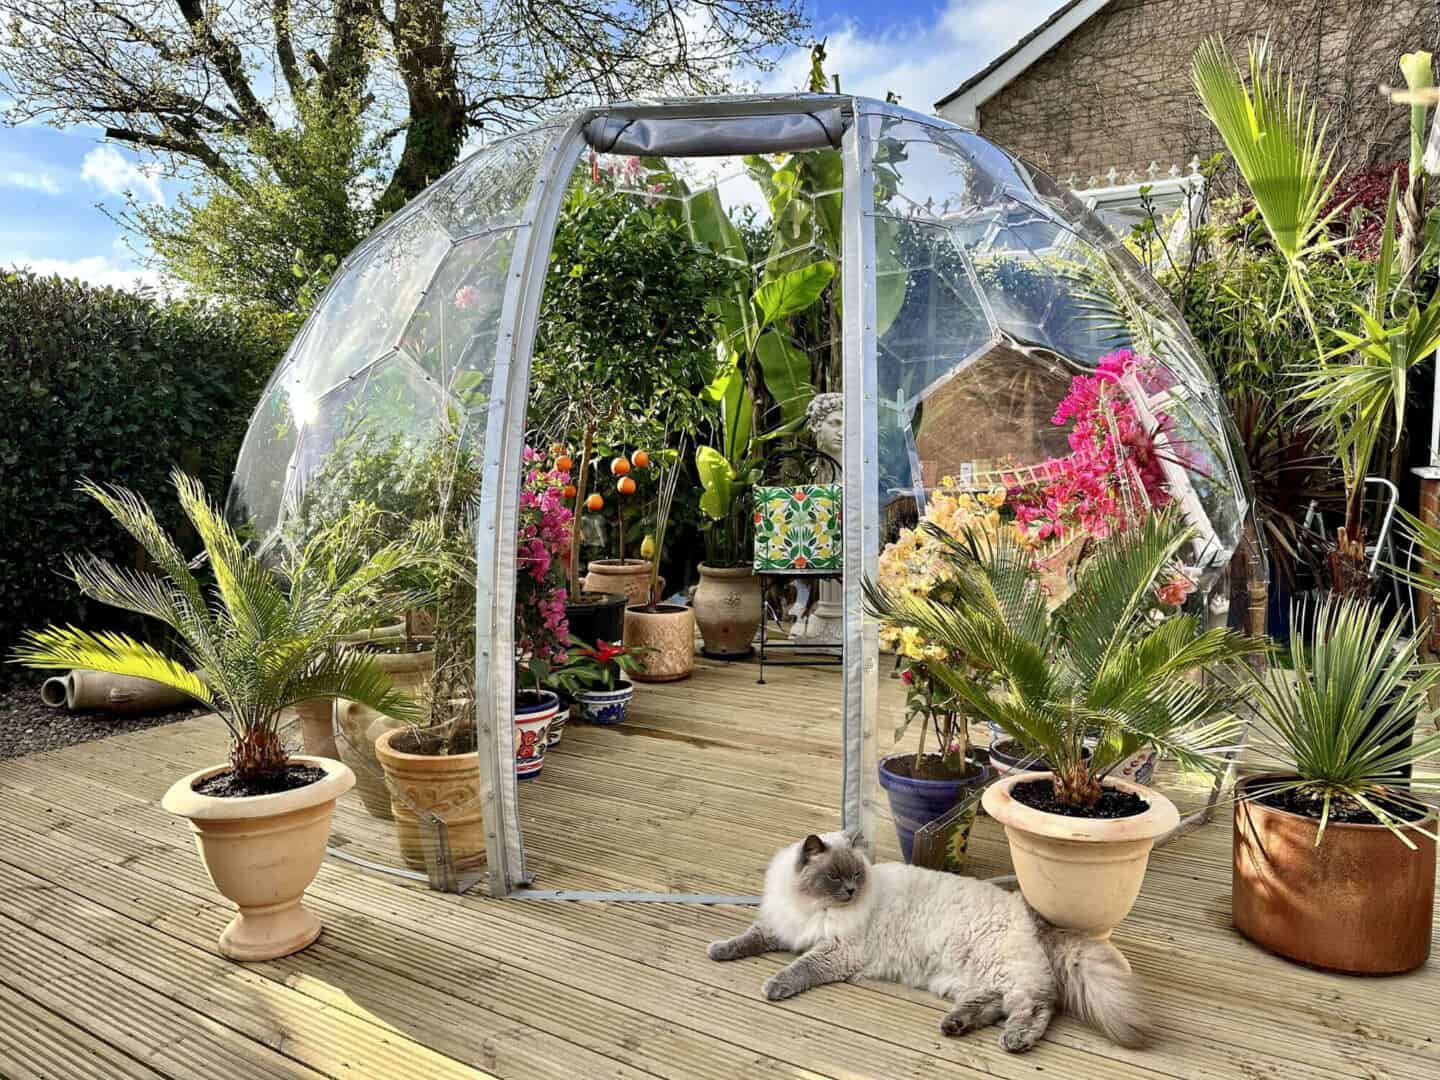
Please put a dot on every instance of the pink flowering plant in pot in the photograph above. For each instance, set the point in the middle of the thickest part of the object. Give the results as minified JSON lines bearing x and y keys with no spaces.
{"x":542,"y":544}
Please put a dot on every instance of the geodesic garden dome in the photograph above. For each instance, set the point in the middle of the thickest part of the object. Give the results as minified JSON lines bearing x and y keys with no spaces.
{"x":972,"y":292}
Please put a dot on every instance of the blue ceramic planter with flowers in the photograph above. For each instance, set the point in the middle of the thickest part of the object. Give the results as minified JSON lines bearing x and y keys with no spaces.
{"x":534,"y":712}
{"x":606,"y":706}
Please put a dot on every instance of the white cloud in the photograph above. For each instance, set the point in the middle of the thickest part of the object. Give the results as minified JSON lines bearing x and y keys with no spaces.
{"x":30,"y":180}
{"x":922,"y":61}
{"x":95,"y":269}
{"x":115,"y":174}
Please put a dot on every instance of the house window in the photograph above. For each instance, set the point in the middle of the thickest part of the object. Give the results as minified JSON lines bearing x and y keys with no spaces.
{"x":1121,"y":207}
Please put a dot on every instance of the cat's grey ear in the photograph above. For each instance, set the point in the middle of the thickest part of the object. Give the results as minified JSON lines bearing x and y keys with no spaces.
{"x":812,"y":846}
{"x":855,"y":838}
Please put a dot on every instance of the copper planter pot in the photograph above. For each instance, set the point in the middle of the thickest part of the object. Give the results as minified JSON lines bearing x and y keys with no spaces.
{"x":1360,"y":903}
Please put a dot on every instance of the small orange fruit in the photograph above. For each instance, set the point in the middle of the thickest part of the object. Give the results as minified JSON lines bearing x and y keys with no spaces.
{"x":626,"y":486}
{"x":640,"y":459}
{"x":594,"y":502}
{"x":563,"y":463}
{"x":556,"y":449}
{"x":569,"y":491}
{"x":620,"y":466}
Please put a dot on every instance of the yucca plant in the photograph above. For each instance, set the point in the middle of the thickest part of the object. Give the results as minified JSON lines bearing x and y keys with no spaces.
{"x":1342,"y":722}
{"x":1107,"y":663}
{"x":252,"y":641}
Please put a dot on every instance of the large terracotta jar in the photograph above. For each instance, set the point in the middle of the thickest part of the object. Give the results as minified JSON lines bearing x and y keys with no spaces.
{"x":262,"y":852}
{"x":446,"y":785}
{"x":665,"y":638}
{"x":1360,"y":901}
{"x":727,"y":608}
{"x":1080,"y":873}
{"x":409,"y":669}
{"x":629,"y":578}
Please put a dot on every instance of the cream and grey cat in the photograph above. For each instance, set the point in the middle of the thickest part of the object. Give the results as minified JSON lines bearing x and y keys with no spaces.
{"x":964,"y":939}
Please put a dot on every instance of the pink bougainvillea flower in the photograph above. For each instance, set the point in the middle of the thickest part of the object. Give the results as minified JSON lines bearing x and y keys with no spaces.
{"x":467,"y":298}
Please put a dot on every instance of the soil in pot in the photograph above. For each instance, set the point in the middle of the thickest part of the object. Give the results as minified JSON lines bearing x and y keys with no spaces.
{"x":227,"y":785}
{"x":597,"y":616}
{"x":1040,"y":795}
{"x":933,"y":767}
{"x":1342,"y":810}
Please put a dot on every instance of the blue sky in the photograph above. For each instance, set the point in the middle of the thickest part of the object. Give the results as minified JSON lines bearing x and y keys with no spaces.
{"x":57,"y":186}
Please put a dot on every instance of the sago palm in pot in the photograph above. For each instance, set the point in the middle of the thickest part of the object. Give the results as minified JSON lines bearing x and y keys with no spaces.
{"x":250,"y":642}
{"x":1110,"y":665}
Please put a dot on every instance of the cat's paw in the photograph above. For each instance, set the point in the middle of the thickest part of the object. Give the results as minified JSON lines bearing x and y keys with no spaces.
{"x":957,"y":1023}
{"x":1018,"y":1040}
{"x":721,"y":950}
{"x":781,"y":986}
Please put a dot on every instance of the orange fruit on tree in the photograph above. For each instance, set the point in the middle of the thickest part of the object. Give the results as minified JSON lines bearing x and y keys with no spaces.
{"x":626,"y":486}
{"x":620,"y":466}
{"x":640,"y":459}
{"x":594,"y":502}
{"x":570,"y":491}
{"x":563,"y":463}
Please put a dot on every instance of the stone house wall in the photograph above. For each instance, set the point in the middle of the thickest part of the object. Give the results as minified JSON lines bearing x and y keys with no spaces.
{"x":1116,"y":92}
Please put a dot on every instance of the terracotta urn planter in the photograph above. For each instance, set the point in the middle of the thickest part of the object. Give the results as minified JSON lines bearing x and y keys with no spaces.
{"x":86,"y":689}
{"x":262,"y":852}
{"x":446,"y":785}
{"x":361,"y":725}
{"x":727,"y":608}
{"x":629,"y":578}
{"x":1360,"y":902}
{"x":668,"y":635}
{"x":1080,"y":873}
{"x":317,"y":726}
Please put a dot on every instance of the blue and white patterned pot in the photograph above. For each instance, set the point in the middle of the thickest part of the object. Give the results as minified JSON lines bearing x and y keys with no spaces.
{"x":605,"y":706}
{"x":557,"y":725}
{"x":532,"y":725}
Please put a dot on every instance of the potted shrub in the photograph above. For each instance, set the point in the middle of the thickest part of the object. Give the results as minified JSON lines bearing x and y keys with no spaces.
{"x":251,"y":645}
{"x":1334,"y":853}
{"x":1108,"y":657}
{"x":594,"y":678}
{"x":664,"y":633}
{"x":925,"y":787}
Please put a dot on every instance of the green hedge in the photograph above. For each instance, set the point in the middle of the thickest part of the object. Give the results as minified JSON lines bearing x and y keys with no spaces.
{"x":116,"y":387}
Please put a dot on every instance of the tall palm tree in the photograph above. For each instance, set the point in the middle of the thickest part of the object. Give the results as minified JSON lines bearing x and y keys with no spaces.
{"x":1100,"y":666}
{"x":252,"y":641}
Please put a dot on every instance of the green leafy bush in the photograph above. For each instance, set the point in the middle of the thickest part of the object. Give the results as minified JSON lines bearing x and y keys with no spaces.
{"x":117,"y":388}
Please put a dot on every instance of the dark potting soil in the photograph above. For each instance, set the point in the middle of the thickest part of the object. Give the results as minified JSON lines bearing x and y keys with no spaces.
{"x":933,"y":767}
{"x":225,"y":785}
{"x":427,"y":745}
{"x":1342,"y":810}
{"x":1040,"y":795}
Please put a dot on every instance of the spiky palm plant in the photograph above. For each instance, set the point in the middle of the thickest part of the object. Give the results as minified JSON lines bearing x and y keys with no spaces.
{"x":1272,"y":133}
{"x":1100,"y":664}
{"x":1344,"y":722}
{"x":252,"y":641}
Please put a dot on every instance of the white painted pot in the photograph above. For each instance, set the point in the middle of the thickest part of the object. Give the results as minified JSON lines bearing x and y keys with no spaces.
{"x":262,"y":852}
{"x":1080,"y":873}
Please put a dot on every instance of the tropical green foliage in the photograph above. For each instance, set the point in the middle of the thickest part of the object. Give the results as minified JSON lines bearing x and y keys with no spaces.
{"x":1104,"y":664}
{"x":116,"y":387}
{"x":1343,"y":719}
{"x":250,"y":643}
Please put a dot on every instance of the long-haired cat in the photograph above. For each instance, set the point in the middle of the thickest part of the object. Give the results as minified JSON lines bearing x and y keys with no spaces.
{"x":972,"y":942}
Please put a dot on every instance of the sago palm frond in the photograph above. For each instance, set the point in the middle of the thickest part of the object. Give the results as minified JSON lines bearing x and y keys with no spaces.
{"x":62,"y":647}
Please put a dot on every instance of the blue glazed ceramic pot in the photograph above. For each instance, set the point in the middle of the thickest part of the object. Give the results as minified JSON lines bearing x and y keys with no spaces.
{"x":533,"y":715}
{"x":605,"y":706}
{"x":916,"y":803}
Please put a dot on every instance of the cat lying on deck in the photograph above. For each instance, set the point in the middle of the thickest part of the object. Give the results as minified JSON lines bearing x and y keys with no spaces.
{"x":961,"y":938}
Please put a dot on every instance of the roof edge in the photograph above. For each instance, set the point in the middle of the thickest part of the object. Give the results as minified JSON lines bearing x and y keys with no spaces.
{"x":1009,"y":65}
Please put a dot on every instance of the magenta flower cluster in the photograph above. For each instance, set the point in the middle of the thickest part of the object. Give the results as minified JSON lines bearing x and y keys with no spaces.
{"x":1111,"y":450}
{"x":542,"y":544}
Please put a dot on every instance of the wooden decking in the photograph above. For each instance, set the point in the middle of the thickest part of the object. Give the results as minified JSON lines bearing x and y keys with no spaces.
{"x":108,"y":965}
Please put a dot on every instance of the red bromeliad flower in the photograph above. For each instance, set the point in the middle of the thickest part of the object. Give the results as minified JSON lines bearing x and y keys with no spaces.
{"x":603,"y":653}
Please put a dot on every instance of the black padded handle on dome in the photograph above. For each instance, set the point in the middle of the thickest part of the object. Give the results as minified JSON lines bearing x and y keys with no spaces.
{"x":716,"y":136}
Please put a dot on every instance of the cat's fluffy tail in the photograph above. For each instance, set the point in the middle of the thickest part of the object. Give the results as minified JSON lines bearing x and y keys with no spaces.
{"x":1096,"y":985}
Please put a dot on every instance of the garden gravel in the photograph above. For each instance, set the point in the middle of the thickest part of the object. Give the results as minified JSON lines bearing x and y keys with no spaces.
{"x":28,"y":726}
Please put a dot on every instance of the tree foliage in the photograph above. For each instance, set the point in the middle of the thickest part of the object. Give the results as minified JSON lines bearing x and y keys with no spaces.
{"x":311,"y":118}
